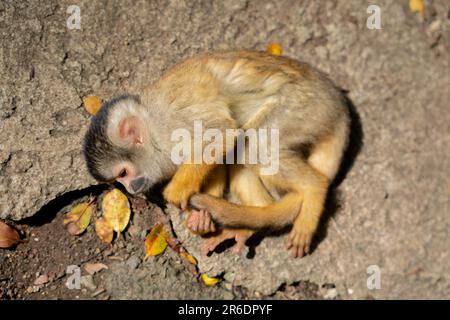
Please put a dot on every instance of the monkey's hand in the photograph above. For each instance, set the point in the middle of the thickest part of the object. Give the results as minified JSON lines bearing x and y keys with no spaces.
{"x":200,"y":222}
{"x":187,"y":180}
{"x":178,"y":194}
{"x":239,"y":235}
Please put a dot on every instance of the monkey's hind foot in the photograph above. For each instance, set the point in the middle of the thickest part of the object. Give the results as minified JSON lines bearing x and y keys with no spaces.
{"x":239,"y":235}
{"x":200,"y":222}
{"x":299,"y":241}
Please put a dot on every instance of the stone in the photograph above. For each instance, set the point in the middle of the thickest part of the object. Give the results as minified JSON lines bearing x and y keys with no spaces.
{"x":391,"y":205}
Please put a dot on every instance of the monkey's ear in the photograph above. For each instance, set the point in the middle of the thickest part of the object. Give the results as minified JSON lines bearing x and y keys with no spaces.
{"x":129,"y":131}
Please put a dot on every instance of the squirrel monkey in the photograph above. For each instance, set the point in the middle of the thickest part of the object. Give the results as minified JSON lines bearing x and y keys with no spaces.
{"x":129,"y":140}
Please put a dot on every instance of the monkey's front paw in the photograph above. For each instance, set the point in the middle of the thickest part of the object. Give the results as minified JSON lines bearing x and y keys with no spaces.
{"x":200,"y":222}
{"x":299,"y":241}
{"x":178,"y":195}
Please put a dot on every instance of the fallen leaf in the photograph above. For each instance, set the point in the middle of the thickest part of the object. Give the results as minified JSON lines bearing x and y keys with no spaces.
{"x":275,"y":49}
{"x":8,"y":236}
{"x":42,"y":279}
{"x":98,"y":292}
{"x":156,"y":241}
{"x":92,"y":104}
{"x":116,"y":210}
{"x":209,"y":281}
{"x":93,"y":268}
{"x":417,"y":6}
{"x":175,"y":245}
{"x":104,"y":230}
{"x":77,"y":220}
{"x":190,"y":258}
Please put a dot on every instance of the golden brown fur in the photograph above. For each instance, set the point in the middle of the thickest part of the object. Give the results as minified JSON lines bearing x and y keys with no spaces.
{"x":246,"y":89}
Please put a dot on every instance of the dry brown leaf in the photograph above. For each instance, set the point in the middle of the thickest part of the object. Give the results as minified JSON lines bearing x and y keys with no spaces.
{"x":275,"y":49}
{"x":190,"y":258}
{"x":174,"y":244}
{"x":93,"y":268}
{"x":92,"y":104}
{"x":209,"y":281}
{"x":116,"y":210}
{"x":42,"y":279}
{"x":190,"y":261}
{"x":104,"y":230}
{"x":77,"y":220}
{"x":417,"y":6}
{"x":8,"y":236}
{"x":156,"y":241}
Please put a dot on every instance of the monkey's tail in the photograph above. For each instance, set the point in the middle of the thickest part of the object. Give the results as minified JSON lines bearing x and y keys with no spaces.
{"x":275,"y":216}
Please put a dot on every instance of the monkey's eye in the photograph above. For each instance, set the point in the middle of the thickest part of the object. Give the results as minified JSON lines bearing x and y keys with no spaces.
{"x":123,"y":173}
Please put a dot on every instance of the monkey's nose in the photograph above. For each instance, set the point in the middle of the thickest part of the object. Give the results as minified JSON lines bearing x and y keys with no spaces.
{"x":137,"y":184}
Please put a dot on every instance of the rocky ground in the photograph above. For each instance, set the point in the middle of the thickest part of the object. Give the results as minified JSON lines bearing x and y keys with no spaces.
{"x":390,"y":206}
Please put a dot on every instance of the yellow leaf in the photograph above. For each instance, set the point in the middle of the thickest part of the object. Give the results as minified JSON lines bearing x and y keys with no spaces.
{"x":116,"y":210}
{"x":8,"y":236}
{"x":189,"y":258}
{"x":417,"y":6}
{"x":209,"y":281}
{"x":156,"y":241}
{"x":77,"y":220}
{"x":92,"y":104}
{"x":275,"y":49}
{"x":104,"y":230}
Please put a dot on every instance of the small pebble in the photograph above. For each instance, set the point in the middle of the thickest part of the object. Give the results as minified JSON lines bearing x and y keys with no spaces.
{"x":228,"y":286}
{"x":133,"y":262}
{"x":134,"y":231}
{"x":88,"y":282}
{"x":229,"y":276}
{"x":331,"y":294}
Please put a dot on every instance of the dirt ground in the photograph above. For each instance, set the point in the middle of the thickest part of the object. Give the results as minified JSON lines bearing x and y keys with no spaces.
{"x":40,"y":268}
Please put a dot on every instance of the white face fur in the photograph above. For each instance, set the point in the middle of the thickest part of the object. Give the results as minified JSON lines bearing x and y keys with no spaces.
{"x":129,"y":127}
{"x":126,"y":130}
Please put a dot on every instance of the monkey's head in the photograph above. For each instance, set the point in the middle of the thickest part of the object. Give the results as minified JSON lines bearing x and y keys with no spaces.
{"x":116,"y":146}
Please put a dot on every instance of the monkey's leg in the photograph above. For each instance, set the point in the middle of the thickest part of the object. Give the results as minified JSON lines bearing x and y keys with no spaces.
{"x":327,"y":154}
{"x":199,"y":221}
{"x":248,"y":188}
{"x":324,"y":161}
{"x":314,"y":185}
{"x":307,"y":189}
